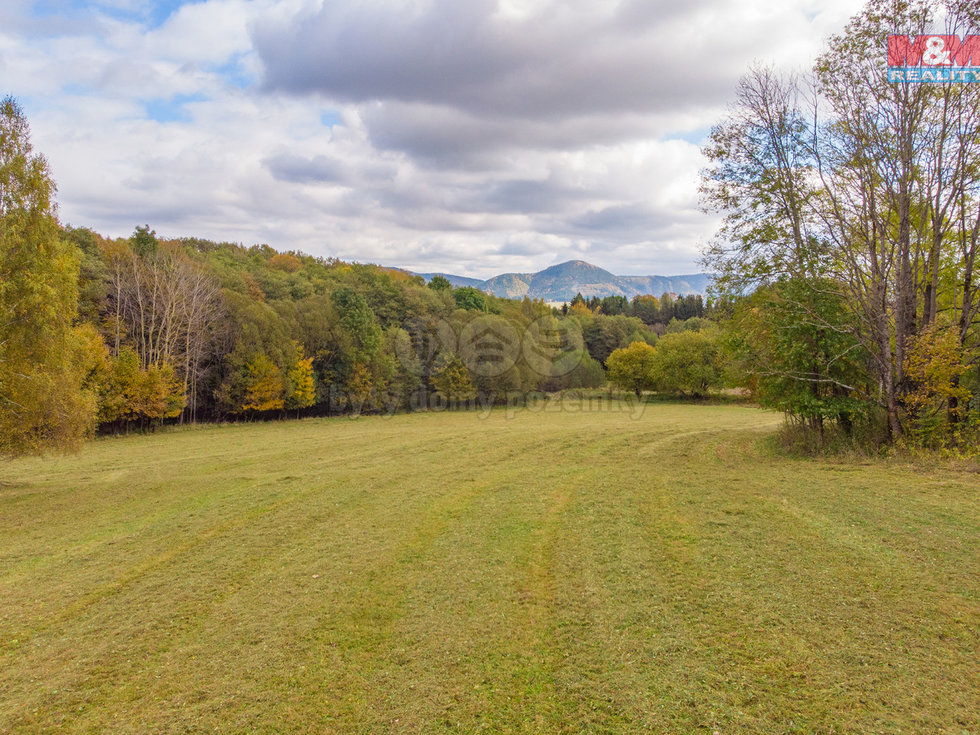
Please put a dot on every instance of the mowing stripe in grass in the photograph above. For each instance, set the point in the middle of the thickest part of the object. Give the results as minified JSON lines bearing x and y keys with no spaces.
{"x":539,"y":571}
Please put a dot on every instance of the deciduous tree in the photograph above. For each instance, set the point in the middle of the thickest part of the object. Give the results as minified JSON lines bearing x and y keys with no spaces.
{"x":452,"y":380}
{"x":302,"y":387}
{"x":263,"y":387}
{"x":43,"y":403}
{"x":686,"y":363}
{"x":631,"y":368}
{"x":858,"y":190}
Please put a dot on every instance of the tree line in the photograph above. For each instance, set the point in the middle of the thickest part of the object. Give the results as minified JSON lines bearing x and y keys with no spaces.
{"x":108,"y":334}
{"x":655,"y":312}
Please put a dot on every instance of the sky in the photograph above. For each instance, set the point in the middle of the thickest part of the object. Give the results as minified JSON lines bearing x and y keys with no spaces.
{"x":466,"y":136}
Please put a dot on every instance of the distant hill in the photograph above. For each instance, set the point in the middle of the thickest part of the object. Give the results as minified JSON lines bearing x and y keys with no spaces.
{"x":509,"y":285}
{"x":456,"y":281}
{"x":561,"y":282}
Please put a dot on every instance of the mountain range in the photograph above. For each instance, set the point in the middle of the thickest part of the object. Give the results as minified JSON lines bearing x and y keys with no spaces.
{"x":560,"y":283}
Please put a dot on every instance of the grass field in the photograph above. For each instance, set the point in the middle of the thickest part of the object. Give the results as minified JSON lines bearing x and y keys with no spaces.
{"x":553,"y":571}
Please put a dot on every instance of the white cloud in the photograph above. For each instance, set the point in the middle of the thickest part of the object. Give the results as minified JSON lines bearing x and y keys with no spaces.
{"x":473,"y":137}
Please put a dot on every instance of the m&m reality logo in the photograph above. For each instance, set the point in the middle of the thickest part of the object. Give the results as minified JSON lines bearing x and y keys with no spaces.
{"x":934,"y":59}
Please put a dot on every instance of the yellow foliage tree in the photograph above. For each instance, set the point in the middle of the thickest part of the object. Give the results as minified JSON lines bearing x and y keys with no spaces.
{"x":264,"y":388}
{"x":130,"y":393}
{"x":359,"y":386}
{"x":285,"y":262}
{"x":302,"y":385}
{"x":162,"y":393}
{"x":631,"y":368}
{"x":934,"y":365}
{"x":43,"y":402}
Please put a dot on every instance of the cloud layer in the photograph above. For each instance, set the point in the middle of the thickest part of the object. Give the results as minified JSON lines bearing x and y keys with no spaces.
{"x":472,"y":137}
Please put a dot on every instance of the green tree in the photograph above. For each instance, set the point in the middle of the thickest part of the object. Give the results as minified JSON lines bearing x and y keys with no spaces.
{"x":470,"y":299}
{"x":452,"y":380}
{"x":361,"y":366}
{"x":631,"y":368}
{"x":93,"y":279}
{"x":43,"y":402}
{"x":407,"y":377}
{"x":693,"y":324}
{"x":794,"y":340}
{"x":440,"y":283}
{"x":587,"y":374}
{"x":612,"y":305}
{"x":252,"y":328}
{"x":358,"y":321}
{"x":144,"y":241}
{"x":686,"y":363}
{"x":646,"y":308}
{"x":603,"y":334}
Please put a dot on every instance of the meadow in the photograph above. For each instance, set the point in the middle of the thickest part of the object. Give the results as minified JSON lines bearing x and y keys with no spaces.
{"x":582,"y":568}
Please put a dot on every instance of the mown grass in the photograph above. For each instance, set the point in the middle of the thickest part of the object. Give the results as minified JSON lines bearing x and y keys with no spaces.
{"x":522,"y":571}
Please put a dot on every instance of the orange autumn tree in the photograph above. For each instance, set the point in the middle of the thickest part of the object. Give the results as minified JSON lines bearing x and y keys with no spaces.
{"x":130,"y":393}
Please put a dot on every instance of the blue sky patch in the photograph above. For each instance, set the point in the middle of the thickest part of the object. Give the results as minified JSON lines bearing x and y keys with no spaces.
{"x":172,"y":109}
{"x":235,"y":73}
{"x":694,"y":137}
{"x":152,"y":14}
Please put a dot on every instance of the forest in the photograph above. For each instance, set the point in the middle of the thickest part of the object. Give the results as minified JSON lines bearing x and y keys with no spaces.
{"x":846,"y":291}
{"x":128,"y":333}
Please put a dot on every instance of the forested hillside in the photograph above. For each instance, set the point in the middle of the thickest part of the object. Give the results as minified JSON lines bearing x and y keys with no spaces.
{"x":202,"y":330}
{"x":107,"y":334}
{"x":218,"y":330}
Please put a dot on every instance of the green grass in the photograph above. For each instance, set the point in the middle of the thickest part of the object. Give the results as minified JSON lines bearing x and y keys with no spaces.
{"x":552,"y":571}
